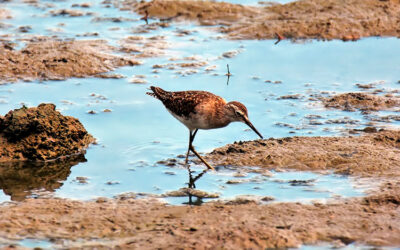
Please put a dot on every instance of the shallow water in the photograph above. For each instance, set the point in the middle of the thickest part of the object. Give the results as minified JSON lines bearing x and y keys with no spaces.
{"x":139,"y":132}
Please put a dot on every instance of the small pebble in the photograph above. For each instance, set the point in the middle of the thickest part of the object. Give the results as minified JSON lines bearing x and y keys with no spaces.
{"x":112,"y":182}
{"x":82,"y":180}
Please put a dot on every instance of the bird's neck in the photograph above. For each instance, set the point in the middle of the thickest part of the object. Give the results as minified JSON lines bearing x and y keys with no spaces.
{"x":224,"y":116}
{"x":218,"y":118}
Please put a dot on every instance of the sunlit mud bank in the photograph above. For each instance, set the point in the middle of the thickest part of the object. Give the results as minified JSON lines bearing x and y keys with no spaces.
{"x":375,"y":154}
{"x":46,"y":59}
{"x":319,"y":19}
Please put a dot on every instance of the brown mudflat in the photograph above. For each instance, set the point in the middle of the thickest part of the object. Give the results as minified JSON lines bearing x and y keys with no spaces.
{"x":47,"y":59}
{"x":147,"y":225}
{"x":373,"y":154}
{"x":315,"y":19}
{"x":361,"y":101}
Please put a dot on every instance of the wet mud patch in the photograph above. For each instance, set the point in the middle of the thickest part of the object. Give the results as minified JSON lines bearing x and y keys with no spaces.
{"x":373,"y":154}
{"x":362,"y":101}
{"x":242,"y":223}
{"x":47,"y":59}
{"x":316,"y":19}
{"x":144,"y":47}
{"x":39,"y":134}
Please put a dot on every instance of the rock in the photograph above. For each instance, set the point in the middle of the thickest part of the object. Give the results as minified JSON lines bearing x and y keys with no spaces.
{"x":243,"y":199}
{"x":286,"y":97}
{"x":66,"y":12}
{"x":230,"y":54}
{"x":267,"y":198}
{"x":302,"y":182}
{"x":136,"y":80}
{"x":40,"y":134}
{"x":82,"y":179}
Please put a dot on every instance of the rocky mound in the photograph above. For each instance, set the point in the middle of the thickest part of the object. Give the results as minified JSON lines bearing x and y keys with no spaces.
{"x":40,"y":134}
{"x":320,"y":19}
{"x":361,"y":101}
{"x":48,"y":59}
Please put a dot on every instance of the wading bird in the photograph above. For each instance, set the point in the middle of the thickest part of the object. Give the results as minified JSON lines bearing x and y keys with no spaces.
{"x":201,"y":110}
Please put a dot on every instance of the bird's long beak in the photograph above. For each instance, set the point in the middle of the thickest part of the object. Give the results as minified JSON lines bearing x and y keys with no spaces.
{"x":247,"y":121}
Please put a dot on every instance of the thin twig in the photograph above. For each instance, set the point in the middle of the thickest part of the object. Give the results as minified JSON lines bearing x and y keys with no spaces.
{"x":228,"y":74}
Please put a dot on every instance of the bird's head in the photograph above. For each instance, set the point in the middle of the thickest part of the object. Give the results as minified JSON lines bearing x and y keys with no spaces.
{"x":237,"y":112}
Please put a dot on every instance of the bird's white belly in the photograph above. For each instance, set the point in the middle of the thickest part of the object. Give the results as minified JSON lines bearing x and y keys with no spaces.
{"x":194,"y":122}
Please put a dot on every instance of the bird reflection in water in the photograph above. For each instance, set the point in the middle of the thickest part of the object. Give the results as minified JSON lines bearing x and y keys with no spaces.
{"x":23,"y":179}
{"x":192,"y":185}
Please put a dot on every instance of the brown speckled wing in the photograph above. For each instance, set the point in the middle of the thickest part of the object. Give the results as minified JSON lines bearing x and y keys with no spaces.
{"x":181,"y":103}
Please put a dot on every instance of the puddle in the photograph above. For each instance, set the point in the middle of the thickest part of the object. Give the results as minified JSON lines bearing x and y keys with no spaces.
{"x":35,"y":243}
{"x":293,"y":186}
{"x":138,"y":132}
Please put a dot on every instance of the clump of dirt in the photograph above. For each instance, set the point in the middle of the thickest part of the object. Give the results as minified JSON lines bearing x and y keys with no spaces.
{"x":40,"y":134}
{"x":145,"y":224}
{"x":319,"y":19}
{"x":47,"y":59}
{"x":361,"y":101}
{"x":373,"y":154}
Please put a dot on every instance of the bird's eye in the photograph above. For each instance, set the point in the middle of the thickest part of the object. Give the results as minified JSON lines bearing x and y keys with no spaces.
{"x":238,"y":113}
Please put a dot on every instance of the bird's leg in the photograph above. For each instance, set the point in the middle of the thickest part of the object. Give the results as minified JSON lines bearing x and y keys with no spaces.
{"x":190,"y":141}
{"x":191,"y":138}
{"x":199,"y":156}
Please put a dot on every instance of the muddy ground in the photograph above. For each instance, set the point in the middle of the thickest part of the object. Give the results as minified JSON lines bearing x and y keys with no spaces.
{"x":315,"y":19}
{"x":146,"y":224}
{"x":48,"y":59}
{"x":43,"y":133}
{"x":128,"y":222}
{"x":362,"y":101}
{"x":40,"y":134}
{"x":373,"y":154}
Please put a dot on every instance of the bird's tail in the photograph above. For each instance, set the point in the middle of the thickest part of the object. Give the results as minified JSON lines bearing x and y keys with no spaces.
{"x":157,"y":92}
